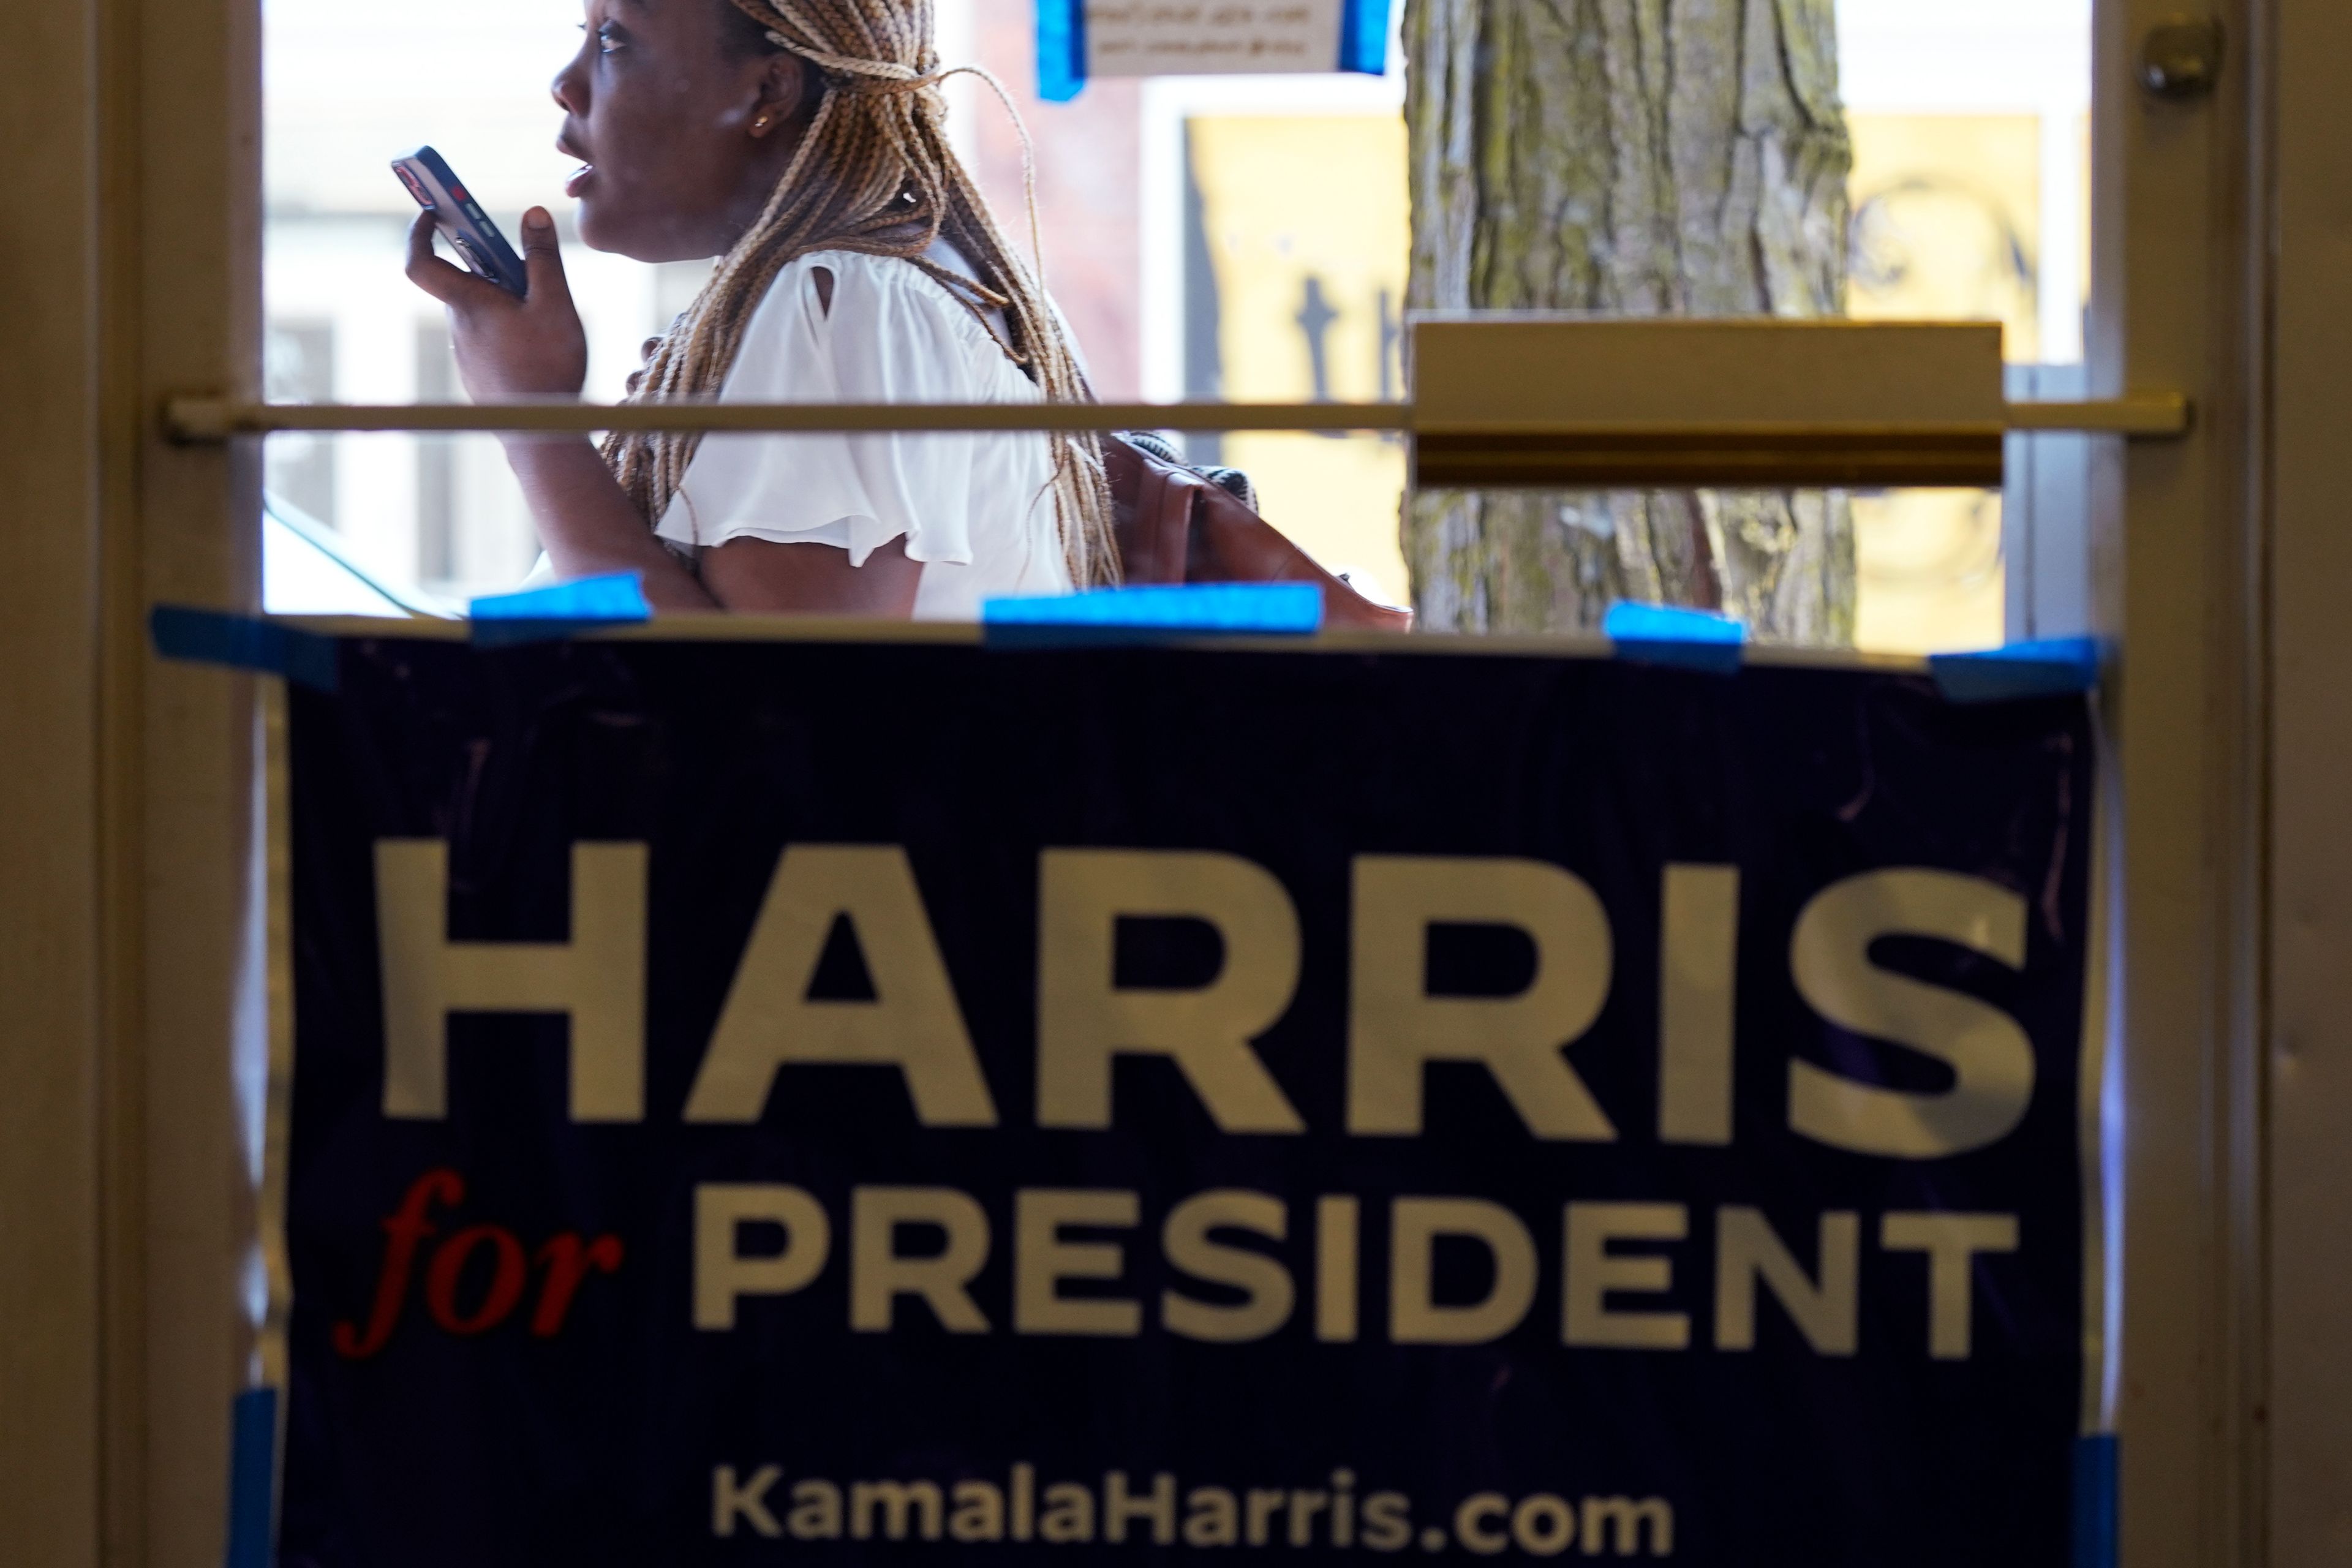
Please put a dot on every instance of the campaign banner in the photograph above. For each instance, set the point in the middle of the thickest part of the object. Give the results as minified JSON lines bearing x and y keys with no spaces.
{"x":1080,"y":39}
{"x":845,"y":1102}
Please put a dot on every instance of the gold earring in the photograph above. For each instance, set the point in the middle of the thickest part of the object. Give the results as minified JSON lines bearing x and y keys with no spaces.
{"x":761,"y":123}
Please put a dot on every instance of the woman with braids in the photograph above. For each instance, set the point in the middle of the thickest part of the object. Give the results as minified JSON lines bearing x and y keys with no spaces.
{"x":802,"y":144}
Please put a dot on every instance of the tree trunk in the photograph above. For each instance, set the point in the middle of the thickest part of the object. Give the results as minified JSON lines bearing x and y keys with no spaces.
{"x":1636,"y":158}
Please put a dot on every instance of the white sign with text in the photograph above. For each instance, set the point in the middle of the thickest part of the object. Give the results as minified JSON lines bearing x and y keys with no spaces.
{"x":1201,"y":38}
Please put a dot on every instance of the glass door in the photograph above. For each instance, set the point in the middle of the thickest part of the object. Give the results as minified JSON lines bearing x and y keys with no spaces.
{"x":1148,"y":202}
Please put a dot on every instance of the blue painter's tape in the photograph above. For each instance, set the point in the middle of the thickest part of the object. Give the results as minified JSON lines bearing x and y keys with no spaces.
{"x":1364,"y":36}
{"x":242,"y":642}
{"x":2059,"y":667}
{"x":1061,"y":49}
{"x":252,"y":1479}
{"x":620,"y":596}
{"x":2095,"y":1501}
{"x":544,"y":614}
{"x":1682,"y":640}
{"x":1156,"y":614}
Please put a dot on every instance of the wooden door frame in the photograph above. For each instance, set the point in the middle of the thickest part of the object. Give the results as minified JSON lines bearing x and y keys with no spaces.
{"x":51,"y":981}
{"x":2181,"y":264}
{"x":130,"y":268}
{"x":2308,"y":1039}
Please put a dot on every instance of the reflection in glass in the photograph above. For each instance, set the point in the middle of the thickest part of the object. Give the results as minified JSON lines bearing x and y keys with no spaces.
{"x":297,"y":365}
{"x":1930,"y":574}
{"x":1244,"y":239}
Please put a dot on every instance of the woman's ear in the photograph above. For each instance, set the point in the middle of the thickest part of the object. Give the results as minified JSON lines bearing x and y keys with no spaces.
{"x":784,"y":94}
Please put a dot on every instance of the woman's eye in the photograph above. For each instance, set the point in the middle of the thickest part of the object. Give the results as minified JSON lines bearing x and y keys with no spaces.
{"x":610,"y":39}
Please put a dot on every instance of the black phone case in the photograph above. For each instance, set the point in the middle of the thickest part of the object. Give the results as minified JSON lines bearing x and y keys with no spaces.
{"x":461,"y":220}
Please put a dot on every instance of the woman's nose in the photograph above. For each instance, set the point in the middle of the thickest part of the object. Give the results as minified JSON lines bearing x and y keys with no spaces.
{"x":567,"y":89}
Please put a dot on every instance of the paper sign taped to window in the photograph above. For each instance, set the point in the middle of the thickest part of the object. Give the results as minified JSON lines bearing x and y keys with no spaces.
{"x":1186,"y":38}
{"x":1081,"y":38}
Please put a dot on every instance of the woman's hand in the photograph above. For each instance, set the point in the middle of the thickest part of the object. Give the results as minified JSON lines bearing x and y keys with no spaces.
{"x":507,"y":349}
{"x":533,"y":347}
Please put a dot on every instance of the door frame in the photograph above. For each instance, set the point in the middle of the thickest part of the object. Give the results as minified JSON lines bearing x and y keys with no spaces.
{"x":2307,"y":1037}
{"x":130,"y":266}
{"x":2180,"y":276}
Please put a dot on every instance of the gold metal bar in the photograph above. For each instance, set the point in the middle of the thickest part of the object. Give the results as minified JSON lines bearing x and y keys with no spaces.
{"x":212,"y":419}
{"x":2155,"y":415}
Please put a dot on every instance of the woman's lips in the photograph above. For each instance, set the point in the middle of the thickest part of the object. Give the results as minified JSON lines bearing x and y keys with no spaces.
{"x":579,"y":180}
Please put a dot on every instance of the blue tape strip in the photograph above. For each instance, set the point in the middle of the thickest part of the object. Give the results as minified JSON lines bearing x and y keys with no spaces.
{"x":2059,"y":667}
{"x":544,"y":614}
{"x":2096,"y":1512}
{"x":1364,"y":36}
{"x":1061,"y":49}
{"x":242,"y":642}
{"x":1156,"y":614}
{"x":1681,"y":639}
{"x":252,"y":1479}
{"x":620,"y":596}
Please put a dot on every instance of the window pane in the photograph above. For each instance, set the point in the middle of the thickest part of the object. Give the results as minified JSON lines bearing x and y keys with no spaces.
{"x":1248,"y":238}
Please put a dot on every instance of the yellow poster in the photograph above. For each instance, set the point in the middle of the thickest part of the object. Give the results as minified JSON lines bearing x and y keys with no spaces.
{"x":1304,"y":225}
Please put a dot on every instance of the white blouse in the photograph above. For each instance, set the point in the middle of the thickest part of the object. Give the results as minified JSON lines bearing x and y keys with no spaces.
{"x":977,"y":509}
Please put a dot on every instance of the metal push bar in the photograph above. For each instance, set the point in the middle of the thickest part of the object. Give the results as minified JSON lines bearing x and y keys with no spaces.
{"x":1498,"y":401}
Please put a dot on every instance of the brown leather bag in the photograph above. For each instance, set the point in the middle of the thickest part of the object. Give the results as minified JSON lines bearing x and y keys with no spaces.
{"x":1174,"y":526}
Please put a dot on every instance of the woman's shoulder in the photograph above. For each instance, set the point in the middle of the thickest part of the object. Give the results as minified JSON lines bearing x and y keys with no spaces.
{"x":875,"y":328}
{"x":892,"y":285}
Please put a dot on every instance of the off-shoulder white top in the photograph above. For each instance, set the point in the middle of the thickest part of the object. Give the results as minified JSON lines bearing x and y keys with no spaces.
{"x":977,"y":509}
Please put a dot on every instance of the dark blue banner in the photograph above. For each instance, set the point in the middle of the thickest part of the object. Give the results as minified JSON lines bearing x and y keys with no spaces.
{"x":800,"y":1100}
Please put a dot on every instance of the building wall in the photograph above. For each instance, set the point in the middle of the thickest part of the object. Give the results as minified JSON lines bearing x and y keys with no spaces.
{"x":1089,"y":196}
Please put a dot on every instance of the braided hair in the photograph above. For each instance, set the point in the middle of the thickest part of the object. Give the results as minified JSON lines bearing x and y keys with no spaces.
{"x":874,"y":174}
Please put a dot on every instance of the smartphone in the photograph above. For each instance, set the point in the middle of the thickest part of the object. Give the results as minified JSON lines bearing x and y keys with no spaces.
{"x":461,"y":220}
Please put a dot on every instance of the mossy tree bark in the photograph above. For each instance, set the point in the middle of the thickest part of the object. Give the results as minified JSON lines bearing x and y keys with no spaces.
{"x":1639,"y":158}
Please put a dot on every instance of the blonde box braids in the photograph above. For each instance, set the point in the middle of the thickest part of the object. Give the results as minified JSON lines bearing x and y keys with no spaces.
{"x":874,"y":174}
